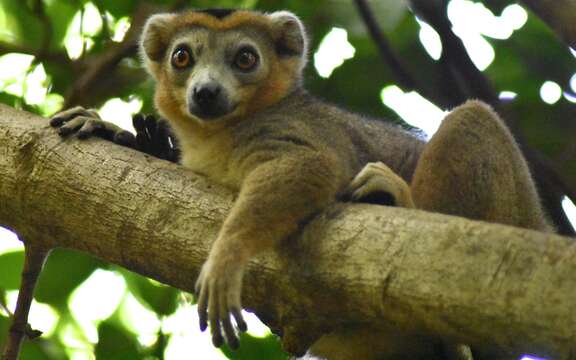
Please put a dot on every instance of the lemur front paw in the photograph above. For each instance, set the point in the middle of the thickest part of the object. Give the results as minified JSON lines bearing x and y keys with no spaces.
{"x":376,"y":183}
{"x":218,"y":291}
{"x":85,"y":123}
{"x":154,"y":137}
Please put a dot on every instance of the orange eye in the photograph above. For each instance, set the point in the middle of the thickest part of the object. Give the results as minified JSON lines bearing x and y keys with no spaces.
{"x":246,"y":60}
{"x":181,"y":58}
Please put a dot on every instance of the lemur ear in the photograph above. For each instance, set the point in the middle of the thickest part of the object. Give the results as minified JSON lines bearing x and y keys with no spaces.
{"x":291,"y":34}
{"x":155,"y":36}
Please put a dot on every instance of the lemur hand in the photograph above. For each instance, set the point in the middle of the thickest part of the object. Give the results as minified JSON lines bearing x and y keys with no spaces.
{"x":85,"y":123}
{"x":376,"y":183}
{"x":218,"y":291}
{"x":153,"y":135}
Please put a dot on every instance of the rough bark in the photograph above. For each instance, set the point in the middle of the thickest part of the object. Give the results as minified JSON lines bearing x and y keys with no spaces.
{"x":469,"y":281}
{"x":560,"y":15}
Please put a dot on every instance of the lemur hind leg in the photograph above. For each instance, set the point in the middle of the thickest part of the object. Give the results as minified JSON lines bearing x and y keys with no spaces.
{"x":472,"y":167}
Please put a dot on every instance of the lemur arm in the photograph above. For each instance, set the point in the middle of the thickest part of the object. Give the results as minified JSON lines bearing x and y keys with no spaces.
{"x":275,"y":198}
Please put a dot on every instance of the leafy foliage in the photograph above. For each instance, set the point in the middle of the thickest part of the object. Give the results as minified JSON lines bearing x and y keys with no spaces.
{"x":45,"y":29}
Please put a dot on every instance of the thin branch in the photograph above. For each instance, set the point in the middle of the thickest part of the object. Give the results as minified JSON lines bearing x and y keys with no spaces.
{"x":4,"y":307}
{"x":403,"y":76}
{"x":470,"y":80}
{"x":36,"y":255}
{"x":47,"y":29}
{"x":560,"y":15}
{"x":99,"y":68}
{"x":58,"y":57}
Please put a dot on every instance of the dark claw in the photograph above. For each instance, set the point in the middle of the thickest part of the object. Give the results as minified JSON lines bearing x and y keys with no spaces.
{"x":83,"y":134}
{"x":203,"y":317}
{"x":138,"y":122}
{"x":64,"y":131}
{"x":229,"y":332}
{"x":240,"y":323}
{"x":57,"y":121}
{"x":150,"y":123}
{"x":217,"y":339}
{"x":202,"y":309}
{"x":242,"y":326}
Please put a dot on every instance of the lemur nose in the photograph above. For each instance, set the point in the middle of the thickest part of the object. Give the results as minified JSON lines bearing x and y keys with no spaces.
{"x":206,"y":95}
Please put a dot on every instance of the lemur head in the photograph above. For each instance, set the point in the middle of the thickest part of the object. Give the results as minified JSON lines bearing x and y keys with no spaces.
{"x":214,"y":65}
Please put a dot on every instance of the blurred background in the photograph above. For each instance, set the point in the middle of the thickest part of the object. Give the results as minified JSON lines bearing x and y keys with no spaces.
{"x":409,"y":65}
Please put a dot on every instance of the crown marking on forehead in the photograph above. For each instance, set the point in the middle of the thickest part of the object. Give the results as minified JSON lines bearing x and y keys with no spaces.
{"x":217,"y":13}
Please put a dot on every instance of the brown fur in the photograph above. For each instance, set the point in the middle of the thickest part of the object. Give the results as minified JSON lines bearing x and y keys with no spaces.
{"x":290,"y":156}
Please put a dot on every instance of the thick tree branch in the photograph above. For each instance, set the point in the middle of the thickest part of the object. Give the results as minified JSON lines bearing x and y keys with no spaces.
{"x":471,"y":282}
{"x":560,"y":15}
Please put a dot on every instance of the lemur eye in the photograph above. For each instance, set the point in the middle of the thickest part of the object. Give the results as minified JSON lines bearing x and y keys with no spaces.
{"x":181,"y":58}
{"x":246,"y":59}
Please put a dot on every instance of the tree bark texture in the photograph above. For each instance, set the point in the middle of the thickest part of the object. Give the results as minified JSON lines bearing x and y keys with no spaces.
{"x":472,"y":282}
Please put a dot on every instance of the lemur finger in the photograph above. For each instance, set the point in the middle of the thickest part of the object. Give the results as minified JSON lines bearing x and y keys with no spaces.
{"x":125,"y":138}
{"x":374,"y":184}
{"x":202,"y":304}
{"x":233,"y":300}
{"x":237,"y":313}
{"x":214,"y":317}
{"x":138,"y":122}
{"x":142,"y":137}
{"x":72,"y":125}
{"x":229,"y":332}
{"x":174,"y":152}
{"x":150,"y":124}
{"x":66,"y":115}
{"x":161,"y":142}
{"x":355,"y":184}
{"x":226,"y":300}
{"x":93,"y":113}
{"x":88,"y":128}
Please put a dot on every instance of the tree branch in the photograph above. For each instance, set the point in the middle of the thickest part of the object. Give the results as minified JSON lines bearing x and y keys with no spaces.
{"x":402,"y":75}
{"x":95,"y":72}
{"x":35,"y":258}
{"x":560,"y":15}
{"x":467,"y":281}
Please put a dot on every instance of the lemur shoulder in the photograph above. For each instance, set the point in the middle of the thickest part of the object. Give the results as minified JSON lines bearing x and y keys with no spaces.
{"x":230,"y":85}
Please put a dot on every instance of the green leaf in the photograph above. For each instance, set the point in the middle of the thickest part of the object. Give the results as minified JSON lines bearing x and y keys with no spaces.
{"x":4,"y":325}
{"x":115,"y":343}
{"x":161,"y":299}
{"x":117,"y":8}
{"x":61,"y":14}
{"x":251,"y":347}
{"x":64,"y":271}
{"x":9,"y":99}
{"x":11,"y":265}
{"x":28,"y":28}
